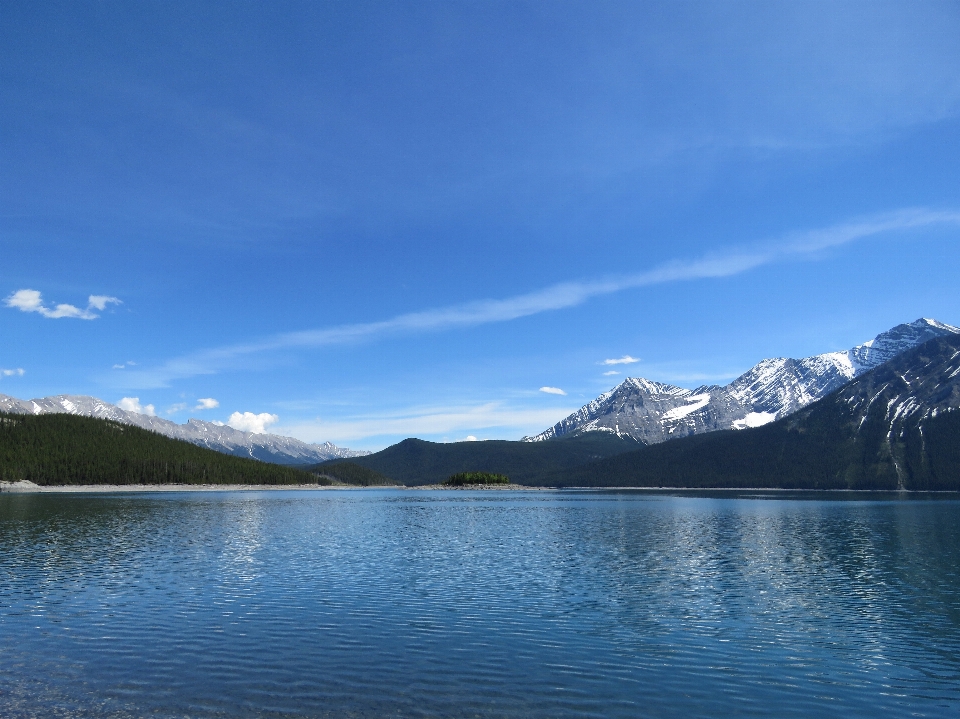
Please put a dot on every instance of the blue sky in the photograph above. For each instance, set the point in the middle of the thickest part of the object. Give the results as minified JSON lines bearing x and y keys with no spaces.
{"x":388,"y":219}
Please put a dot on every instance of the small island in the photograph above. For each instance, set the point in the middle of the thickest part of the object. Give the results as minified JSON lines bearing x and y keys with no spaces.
{"x":474,"y":478}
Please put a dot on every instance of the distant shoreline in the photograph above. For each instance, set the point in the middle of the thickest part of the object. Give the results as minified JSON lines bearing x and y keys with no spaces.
{"x":24,"y":487}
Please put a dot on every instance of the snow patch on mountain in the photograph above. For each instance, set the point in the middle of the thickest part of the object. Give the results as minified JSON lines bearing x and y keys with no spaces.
{"x":754,"y":419}
{"x":698,"y":401}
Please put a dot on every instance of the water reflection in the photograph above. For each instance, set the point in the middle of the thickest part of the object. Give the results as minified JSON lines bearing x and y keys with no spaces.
{"x":487,"y":604}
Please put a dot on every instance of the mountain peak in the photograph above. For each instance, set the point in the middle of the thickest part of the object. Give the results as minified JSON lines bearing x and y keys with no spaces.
{"x":887,"y":345}
{"x":646,"y":385}
{"x":937,"y":324}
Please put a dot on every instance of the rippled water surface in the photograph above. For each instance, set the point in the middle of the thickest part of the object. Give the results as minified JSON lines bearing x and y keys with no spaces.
{"x":478,"y":604}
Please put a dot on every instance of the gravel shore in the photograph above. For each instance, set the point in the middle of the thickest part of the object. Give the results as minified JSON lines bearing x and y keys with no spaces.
{"x":24,"y":487}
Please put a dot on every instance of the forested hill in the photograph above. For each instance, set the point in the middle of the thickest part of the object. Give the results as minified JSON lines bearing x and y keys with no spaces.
{"x":897,"y":426}
{"x":60,"y":449}
{"x":415,"y":461}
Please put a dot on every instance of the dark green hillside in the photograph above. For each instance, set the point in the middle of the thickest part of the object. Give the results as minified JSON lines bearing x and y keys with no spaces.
{"x":58,"y":449}
{"x":815,"y":457}
{"x":877,"y":432}
{"x":820,"y":453}
{"x":351,"y":473}
{"x":414,"y":461}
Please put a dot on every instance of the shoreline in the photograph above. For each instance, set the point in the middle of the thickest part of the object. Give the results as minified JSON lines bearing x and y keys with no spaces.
{"x":26,"y":487}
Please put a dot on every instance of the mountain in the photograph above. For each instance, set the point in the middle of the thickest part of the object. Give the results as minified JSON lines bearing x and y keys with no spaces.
{"x":415,"y":461}
{"x":651,"y":412}
{"x":57,"y":449}
{"x":222,"y":438}
{"x":894,"y":427}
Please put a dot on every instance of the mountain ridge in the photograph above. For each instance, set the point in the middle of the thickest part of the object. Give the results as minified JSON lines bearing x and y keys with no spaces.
{"x":221,"y":438}
{"x":653,"y":412}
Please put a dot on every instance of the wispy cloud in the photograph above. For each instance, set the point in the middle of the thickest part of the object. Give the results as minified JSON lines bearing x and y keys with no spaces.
{"x":568,"y":294}
{"x":174,"y":408}
{"x":553,"y":390}
{"x":18,"y":372}
{"x":626,"y":359}
{"x":610,"y":373}
{"x":207,"y":403}
{"x":421,"y":421}
{"x":32,"y":301}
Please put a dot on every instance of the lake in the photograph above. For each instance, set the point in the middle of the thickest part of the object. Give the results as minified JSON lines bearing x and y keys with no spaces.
{"x":373,"y":603}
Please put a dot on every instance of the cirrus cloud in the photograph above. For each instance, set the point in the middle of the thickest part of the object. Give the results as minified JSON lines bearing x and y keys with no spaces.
{"x":793,"y":246}
{"x":477,"y":420}
{"x":553,"y":390}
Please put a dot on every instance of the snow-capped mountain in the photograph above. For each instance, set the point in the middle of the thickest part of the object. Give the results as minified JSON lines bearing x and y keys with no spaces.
{"x":896,"y":426}
{"x":652,"y":412}
{"x":222,"y":438}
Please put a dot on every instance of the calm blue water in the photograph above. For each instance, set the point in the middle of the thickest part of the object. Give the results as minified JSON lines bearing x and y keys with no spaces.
{"x":478,"y":604}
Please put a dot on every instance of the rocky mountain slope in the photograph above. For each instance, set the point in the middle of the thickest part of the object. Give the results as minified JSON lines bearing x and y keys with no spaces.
{"x":895,"y":427}
{"x":265,"y":447}
{"x":651,"y":412}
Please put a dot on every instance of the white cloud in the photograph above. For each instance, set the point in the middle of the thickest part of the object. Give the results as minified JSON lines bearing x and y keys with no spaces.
{"x":18,"y":372}
{"x":32,"y":301}
{"x":626,"y":359}
{"x":25,"y":300}
{"x":174,"y":408}
{"x":206,"y":403}
{"x":610,"y":373}
{"x":797,"y":245}
{"x":553,"y":390}
{"x":132,"y":404}
{"x":100,"y":302}
{"x":118,"y":366}
{"x":470,"y":438}
{"x":250,"y":422}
